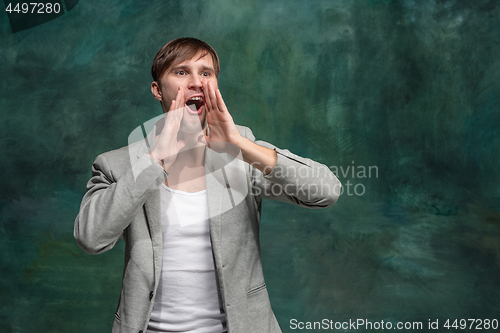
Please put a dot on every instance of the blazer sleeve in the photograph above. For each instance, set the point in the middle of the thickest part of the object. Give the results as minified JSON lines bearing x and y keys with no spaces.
{"x":295,"y":180}
{"x":110,"y":204}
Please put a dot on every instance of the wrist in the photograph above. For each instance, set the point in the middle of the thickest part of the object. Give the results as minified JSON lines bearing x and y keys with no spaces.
{"x":239,"y":141}
{"x":154,"y":158}
{"x":260,"y":157}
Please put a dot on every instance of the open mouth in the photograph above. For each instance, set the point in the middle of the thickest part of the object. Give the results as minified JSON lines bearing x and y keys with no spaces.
{"x":195,"y":104}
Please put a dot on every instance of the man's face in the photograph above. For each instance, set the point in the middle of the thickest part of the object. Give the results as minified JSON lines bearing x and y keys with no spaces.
{"x":187,"y":76}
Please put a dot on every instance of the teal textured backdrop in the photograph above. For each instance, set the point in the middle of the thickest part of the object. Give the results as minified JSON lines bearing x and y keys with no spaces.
{"x":409,"y":88}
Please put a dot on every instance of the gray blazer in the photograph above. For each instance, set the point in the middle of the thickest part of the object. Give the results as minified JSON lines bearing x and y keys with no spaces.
{"x":123,"y":200}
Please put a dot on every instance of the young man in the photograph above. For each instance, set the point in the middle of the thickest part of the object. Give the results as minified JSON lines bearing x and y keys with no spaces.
{"x":187,"y":201}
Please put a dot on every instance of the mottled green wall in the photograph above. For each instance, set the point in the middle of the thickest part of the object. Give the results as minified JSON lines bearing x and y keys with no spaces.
{"x":409,"y":87}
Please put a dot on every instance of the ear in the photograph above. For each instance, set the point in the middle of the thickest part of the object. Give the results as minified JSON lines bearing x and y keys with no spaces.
{"x":155,"y":89}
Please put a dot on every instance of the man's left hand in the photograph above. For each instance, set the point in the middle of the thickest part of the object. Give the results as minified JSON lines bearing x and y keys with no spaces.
{"x":220,"y":122}
{"x":223,"y":131}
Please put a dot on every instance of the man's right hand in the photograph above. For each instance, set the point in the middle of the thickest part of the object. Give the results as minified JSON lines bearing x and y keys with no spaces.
{"x":167,"y":146}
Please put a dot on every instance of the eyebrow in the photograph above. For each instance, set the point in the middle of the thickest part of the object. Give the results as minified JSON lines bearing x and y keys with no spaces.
{"x":203,"y":68}
{"x":206,"y":68}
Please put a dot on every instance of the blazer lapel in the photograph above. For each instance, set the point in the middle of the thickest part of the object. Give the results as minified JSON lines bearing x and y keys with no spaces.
{"x":226,"y":183}
{"x":214,"y":185}
{"x":152,"y":205}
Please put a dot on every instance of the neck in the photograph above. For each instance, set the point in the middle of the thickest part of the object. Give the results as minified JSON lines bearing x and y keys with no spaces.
{"x":191,"y":157}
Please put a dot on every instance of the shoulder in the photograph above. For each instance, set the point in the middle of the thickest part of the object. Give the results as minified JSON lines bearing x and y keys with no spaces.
{"x":118,"y":160}
{"x":115,"y":154}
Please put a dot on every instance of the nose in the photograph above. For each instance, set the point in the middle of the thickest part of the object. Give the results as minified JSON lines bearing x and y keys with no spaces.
{"x":195,"y":83}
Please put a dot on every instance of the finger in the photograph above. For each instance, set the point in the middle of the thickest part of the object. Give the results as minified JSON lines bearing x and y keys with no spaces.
{"x":179,"y":113}
{"x":211,"y":93}
{"x":182,"y":103}
{"x":177,"y":99}
{"x":210,"y":118}
{"x":220,"y":102}
{"x":174,"y":116}
{"x":180,"y":98}
{"x":179,"y":107}
{"x":172,"y":105}
{"x":206,"y":96}
{"x":177,"y":116}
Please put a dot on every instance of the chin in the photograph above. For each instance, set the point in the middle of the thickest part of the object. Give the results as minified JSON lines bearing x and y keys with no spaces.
{"x":192,"y":128}
{"x":193,"y":125}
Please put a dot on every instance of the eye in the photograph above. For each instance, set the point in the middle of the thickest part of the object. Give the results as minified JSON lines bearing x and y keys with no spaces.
{"x":180,"y":72}
{"x":206,"y":74}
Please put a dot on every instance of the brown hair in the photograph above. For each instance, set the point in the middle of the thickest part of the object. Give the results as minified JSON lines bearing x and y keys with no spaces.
{"x":180,"y":50}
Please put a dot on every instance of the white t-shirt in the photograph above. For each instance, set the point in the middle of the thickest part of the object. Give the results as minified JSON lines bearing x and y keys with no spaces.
{"x":187,"y":298}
